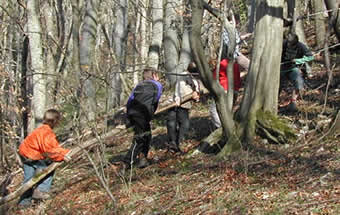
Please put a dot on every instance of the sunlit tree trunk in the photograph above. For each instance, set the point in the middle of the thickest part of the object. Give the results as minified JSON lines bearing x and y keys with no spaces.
{"x":319,"y":23}
{"x":75,"y":66}
{"x":206,"y":75}
{"x":261,"y":93}
{"x":86,"y":52}
{"x":119,"y":40}
{"x":157,"y":33}
{"x":143,"y":36}
{"x":50,"y":47}
{"x":333,"y":6}
{"x":39,"y":72}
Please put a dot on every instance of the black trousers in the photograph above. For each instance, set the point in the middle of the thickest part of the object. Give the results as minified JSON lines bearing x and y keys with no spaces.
{"x":177,"y":124}
{"x":141,"y":139}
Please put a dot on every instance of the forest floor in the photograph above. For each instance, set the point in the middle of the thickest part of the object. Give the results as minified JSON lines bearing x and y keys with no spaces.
{"x":297,"y":178}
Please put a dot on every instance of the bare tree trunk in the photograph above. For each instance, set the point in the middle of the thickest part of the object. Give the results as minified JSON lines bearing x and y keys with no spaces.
{"x":319,"y":23}
{"x":171,"y":43}
{"x":87,"y":46}
{"x":50,"y":45}
{"x":251,"y":24}
{"x":263,"y":78}
{"x":39,"y":71}
{"x":300,"y":30}
{"x":76,"y":74}
{"x":157,"y":33}
{"x":209,"y":82}
{"x":143,"y":38}
{"x":119,"y":39}
{"x":333,"y":5}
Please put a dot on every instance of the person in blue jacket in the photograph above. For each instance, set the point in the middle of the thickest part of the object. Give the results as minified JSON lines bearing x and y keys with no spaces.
{"x":294,"y":53}
{"x":141,"y":107}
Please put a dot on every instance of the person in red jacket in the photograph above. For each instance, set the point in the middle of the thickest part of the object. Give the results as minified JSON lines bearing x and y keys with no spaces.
{"x":37,"y":151}
{"x":223,"y":80}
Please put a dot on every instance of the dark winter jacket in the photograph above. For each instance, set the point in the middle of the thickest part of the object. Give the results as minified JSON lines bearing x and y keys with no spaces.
{"x":144,"y":99}
{"x":292,"y":53}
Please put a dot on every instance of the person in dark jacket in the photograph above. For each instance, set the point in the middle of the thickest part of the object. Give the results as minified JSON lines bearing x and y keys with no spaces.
{"x":141,"y":107}
{"x":293,"y":54}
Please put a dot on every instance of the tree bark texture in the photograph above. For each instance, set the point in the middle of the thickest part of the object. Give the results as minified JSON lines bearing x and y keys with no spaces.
{"x":157,"y":33}
{"x":39,"y":72}
{"x":86,"y":58}
{"x":119,"y":39}
{"x":261,"y":93}
{"x":333,"y":6}
{"x":319,"y":23}
{"x":212,"y":85}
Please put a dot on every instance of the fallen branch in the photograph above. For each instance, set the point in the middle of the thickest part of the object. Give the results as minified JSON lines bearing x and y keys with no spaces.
{"x":23,"y":188}
{"x":184,"y":99}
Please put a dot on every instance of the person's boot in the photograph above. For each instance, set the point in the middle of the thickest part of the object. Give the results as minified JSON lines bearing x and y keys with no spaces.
{"x":173,"y":147}
{"x":142,"y":162}
{"x":292,"y":107}
{"x":37,"y":194}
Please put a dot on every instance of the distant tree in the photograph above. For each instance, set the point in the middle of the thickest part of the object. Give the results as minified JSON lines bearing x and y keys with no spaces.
{"x":86,"y":58}
{"x":333,"y":6}
{"x":319,"y":23}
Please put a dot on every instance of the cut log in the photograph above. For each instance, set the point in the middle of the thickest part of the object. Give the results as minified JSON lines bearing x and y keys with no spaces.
{"x":23,"y":188}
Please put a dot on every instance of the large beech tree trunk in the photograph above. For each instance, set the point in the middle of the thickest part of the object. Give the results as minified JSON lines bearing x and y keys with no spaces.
{"x":261,"y":92}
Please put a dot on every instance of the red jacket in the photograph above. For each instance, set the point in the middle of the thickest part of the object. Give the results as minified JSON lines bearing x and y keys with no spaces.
{"x":41,"y":144}
{"x":223,"y":79}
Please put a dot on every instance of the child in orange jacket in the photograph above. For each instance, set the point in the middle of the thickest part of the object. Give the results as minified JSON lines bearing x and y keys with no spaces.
{"x":37,"y":151}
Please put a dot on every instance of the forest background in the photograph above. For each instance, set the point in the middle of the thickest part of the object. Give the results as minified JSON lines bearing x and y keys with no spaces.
{"x":84,"y":57}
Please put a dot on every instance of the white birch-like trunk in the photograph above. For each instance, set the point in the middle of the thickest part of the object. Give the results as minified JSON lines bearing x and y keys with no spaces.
{"x":142,"y":38}
{"x":157,"y":33}
{"x":38,"y":70}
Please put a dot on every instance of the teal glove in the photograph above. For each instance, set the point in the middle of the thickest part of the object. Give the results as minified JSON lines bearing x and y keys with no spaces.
{"x":304,"y":60}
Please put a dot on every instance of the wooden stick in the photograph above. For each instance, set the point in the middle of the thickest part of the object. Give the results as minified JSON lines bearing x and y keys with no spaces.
{"x":184,"y":99}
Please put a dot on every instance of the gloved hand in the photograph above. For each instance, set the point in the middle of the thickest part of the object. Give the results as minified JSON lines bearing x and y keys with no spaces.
{"x":178,"y":101}
{"x":196,"y":96}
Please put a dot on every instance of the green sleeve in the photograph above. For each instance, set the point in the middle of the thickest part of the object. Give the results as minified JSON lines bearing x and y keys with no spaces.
{"x":304,"y":59}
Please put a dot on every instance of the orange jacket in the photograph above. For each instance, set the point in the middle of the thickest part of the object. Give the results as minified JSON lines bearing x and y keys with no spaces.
{"x":41,"y":144}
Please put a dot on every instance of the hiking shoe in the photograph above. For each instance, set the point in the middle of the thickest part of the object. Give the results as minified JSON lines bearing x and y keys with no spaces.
{"x":174,"y":148}
{"x":24,"y":206}
{"x":37,"y":194}
{"x":292,"y":107}
{"x":142,"y":163}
